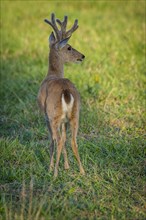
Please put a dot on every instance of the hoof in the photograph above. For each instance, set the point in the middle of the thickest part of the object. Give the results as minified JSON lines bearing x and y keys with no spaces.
{"x":82,"y":171}
{"x":66,"y":166}
{"x":50,"y":169}
{"x":55,"y":173}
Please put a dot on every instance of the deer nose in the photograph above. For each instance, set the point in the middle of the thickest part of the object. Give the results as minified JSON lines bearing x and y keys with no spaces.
{"x":83,"y":56}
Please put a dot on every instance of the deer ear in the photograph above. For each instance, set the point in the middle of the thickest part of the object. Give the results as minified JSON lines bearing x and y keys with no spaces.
{"x":62,"y":43}
{"x":52,"y":39}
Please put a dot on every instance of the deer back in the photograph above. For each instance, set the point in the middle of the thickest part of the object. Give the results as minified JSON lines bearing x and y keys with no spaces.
{"x":51,"y":91}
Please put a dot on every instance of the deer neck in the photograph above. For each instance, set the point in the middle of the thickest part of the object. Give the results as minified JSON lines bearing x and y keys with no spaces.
{"x":56,"y":66}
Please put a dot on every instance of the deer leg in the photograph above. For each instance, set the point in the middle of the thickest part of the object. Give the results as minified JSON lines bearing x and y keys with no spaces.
{"x":59,"y":141}
{"x":51,"y":152}
{"x":59,"y":150}
{"x":51,"y":166}
{"x":51,"y":148}
{"x":66,"y":165}
{"x":74,"y":130}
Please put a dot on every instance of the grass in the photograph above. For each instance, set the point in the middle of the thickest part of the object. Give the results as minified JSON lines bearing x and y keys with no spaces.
{"x":111,"y":137}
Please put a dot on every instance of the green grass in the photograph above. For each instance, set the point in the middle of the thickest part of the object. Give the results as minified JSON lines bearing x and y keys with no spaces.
{"x":111,"y":137}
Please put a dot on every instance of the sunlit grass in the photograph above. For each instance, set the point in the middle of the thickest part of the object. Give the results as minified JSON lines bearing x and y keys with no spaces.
{"x":112,"y":121}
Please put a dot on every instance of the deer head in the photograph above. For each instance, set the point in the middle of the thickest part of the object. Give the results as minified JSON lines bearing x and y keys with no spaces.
{"x":58,"y":43}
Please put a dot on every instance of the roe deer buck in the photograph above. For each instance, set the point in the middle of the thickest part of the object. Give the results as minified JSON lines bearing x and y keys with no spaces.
{"x":58,"y":98}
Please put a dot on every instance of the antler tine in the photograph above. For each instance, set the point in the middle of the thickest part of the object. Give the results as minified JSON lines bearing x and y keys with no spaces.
{"x":47,"y":21}
{"x":74,"y":27}
{"x":63,"y":26}
{"x":53,"y":25}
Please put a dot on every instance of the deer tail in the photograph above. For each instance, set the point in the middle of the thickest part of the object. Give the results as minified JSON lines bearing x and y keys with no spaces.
{"x":67,"y":100}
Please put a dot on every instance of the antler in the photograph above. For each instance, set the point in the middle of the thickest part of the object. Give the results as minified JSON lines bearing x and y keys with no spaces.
{"x":74,"y":27}
{"x":63,"y":27}
{"x":54,"y":26}
{"x":61,"y":34}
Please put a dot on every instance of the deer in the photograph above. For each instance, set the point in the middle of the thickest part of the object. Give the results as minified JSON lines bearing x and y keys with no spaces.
{"x":58,"y":97}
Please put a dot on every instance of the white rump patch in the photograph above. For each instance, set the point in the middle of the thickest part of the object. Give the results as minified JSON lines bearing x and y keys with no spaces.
{"x":67,"y":107}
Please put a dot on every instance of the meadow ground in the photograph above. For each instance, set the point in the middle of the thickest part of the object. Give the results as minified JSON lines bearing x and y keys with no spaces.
{"x":111,"y":134}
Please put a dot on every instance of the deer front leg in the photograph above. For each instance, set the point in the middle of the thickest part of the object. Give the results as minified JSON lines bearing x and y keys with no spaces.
{"x":66,"y":164}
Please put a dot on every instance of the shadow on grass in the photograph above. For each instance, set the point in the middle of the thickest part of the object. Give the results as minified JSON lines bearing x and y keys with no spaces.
{"x":99,"y":142}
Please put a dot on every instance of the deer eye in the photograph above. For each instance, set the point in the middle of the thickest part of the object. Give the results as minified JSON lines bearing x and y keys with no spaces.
{"x":69,"y":48}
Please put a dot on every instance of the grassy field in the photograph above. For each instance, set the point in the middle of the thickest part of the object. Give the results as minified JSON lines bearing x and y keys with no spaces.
{"x":111,"y":134}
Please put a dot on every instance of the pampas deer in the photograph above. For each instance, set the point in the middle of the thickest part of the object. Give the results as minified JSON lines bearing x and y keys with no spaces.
{"x":58,"y":98}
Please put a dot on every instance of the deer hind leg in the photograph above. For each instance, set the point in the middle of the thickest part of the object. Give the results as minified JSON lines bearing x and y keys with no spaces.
{"x":74,"y":130}
{"x":66,"y":164}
